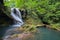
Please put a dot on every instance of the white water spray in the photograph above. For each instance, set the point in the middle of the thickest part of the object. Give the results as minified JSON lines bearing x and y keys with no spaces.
{"x":17,"y":17}
{"x":18,"y":22}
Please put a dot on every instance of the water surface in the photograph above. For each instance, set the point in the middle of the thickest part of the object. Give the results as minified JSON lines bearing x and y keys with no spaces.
{"x":47,"y":34}
{"x":42,"y":34}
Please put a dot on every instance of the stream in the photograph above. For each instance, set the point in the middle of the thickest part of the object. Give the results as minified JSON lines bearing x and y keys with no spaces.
{"x":18,"y":22}
{"x":42,"y":34}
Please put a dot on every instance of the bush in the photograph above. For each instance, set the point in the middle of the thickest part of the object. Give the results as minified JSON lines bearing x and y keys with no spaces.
{"x":47,"y":11}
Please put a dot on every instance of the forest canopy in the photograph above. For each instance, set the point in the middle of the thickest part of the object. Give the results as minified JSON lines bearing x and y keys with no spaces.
{"x":48,"y":11}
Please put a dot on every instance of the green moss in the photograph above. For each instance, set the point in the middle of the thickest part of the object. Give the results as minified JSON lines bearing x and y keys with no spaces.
{"x":56,"y":26}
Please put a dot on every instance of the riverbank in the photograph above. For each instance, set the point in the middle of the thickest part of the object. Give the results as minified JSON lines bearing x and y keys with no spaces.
{"x":51,"y":27}
{"x":20,"y":33}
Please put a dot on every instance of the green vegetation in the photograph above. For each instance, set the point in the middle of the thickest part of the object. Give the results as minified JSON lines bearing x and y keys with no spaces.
{"x":41,"y":11}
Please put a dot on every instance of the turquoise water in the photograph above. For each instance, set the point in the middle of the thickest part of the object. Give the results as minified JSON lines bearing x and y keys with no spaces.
{"x":42,"y":34}
{"x":47,"y":34}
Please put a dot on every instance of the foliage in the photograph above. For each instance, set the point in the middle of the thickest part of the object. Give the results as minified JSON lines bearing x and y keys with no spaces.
{"x":47,"y":11}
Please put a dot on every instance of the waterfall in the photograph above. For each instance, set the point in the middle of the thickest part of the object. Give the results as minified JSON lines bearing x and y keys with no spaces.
{"x":18,"y":22}
{"x":16,"y":15}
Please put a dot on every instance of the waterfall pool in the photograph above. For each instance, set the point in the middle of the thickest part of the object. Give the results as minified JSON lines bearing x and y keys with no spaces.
{"x":47,"y":34}
{"x":42,"y":34}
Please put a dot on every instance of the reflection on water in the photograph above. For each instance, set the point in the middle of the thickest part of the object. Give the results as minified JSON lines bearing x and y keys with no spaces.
{"x":16,"y":34}
{"x":47,"y":34}
{"x":42,"y":34}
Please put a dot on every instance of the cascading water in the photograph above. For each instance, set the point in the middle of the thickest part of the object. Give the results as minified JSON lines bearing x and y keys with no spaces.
{"x":18,"y":22}
{"x":16,"y":15}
